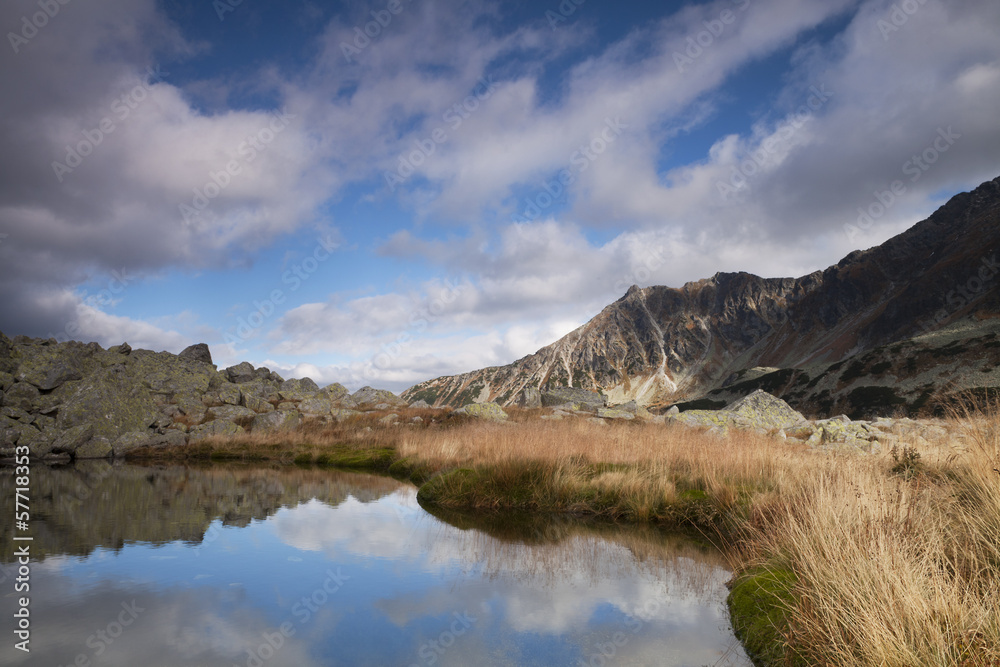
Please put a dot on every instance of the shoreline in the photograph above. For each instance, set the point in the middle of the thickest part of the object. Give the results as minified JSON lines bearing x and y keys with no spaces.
{"x":776,"y":508}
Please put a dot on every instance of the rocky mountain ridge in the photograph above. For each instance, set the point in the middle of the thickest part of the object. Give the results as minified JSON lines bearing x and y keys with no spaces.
{"x":661,"y":346}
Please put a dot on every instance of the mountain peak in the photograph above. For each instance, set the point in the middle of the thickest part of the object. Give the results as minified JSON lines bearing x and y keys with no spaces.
{"x":661,"y":345}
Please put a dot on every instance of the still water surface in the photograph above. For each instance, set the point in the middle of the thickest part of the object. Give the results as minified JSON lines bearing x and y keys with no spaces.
{"x":265,"y":566}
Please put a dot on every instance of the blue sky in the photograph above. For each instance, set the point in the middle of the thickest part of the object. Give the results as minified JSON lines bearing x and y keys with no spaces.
{"x":468,"y":181}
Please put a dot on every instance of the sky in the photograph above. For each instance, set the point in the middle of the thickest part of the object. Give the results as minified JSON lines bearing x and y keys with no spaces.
{"x":379,"y":193}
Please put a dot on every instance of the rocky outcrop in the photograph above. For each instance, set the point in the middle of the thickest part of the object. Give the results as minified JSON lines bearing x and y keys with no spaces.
{"x":75,"y":400}
{"x":486,"y":411}
{"x":661,"y":345}
{"x":573,"y":399}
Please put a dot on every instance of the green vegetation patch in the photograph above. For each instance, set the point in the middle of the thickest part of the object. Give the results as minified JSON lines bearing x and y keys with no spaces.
{"x":409,"y":468}
{"x":854,"y":371}
{"x":868,"y":400}
{"x":759,"y":602}
{"x":364,"y":459}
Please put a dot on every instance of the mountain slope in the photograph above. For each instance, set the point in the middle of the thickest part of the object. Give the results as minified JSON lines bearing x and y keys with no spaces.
{"x":660,"y":345}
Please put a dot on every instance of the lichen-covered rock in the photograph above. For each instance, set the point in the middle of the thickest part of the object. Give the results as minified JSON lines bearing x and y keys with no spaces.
{"x":6,"y":381}
{"x":7,"y":363}
{"x":96,"y":448}
{"x":21,"y":395}
{"x":197,"y":352}
{"x":389,"y":419}
{"x":228,"y":393}
{"x":704,"y":418}
{"x":488,"y":411}
{"x":216,"y":427}
{"x":370,"y":396}
{"x":267,"y":375}
{"x":420,"y":405}
{"x":340,"y":414}
{"x":194,"y":411}
{"x":47,"y":366}
{"x":132,"y":440}
{"x":72,"y":439}
{"x":837,"y":432}
{"x":113,"y":400}
{"x":232,"y":413}
{"x":802,"y":431}
{"x":165,"y":373}
{"x":334,"y":392}
{"x":16,"y":414}
{"x":530,"y":398}
{"x":136,"y":439}
{"x":297,"y":389}
{"x":279,"y":420}
{"x":27,"y":435}
{"x":241,"y":372}
{"x":579,"y":399}
{"x":260,"y":389}
{"x":612,"y":413}
{"x":313,"y":407}
{"x":761,"y":410}
{"x":257,"y":404}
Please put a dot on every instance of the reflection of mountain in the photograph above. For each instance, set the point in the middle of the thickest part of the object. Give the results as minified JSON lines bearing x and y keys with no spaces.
{"x":94,"y":504}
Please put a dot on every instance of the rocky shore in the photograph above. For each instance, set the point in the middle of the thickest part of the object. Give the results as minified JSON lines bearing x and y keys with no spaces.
{"x":79,"y":401}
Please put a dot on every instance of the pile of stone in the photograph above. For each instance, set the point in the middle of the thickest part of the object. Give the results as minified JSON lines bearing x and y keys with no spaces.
{"x":766,"y":414}
{"x":81,"y":401}
{"x":759,"y":412}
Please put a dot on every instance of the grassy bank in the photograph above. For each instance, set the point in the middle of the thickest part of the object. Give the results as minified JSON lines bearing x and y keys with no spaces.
{"x":841,"y":558}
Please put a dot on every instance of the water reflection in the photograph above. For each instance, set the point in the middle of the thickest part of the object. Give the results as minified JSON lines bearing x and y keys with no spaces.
{"x":261,"y":566}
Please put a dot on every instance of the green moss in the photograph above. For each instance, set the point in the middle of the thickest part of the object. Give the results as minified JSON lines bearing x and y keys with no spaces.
{"x":759,"y":601}
{"x":363,"y":459}
{"x":854,"y":371}
{"x":881,"y":367}
{"x":871,"y":400}
{"x":417,"y":472}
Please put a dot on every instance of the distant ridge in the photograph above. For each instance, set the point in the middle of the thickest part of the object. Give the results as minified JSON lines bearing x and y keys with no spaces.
{"x":661,"y":345}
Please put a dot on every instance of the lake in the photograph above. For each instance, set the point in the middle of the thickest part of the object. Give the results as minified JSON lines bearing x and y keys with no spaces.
{"x":283,"y":566}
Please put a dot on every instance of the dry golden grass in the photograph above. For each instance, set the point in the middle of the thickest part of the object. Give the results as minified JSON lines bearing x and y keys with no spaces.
{"x":895,"y":557}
